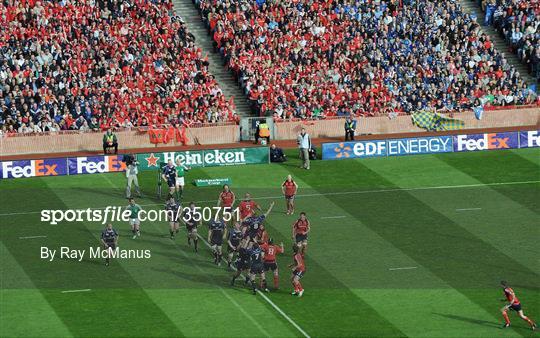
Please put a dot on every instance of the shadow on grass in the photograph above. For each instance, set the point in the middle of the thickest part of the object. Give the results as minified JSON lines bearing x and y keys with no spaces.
{"x":469,"y":320}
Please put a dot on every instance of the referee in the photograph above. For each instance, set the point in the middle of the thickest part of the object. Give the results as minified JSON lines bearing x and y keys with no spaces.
{"x":109,"y":239}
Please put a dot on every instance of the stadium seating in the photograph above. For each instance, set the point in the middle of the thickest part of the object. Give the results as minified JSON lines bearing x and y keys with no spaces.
{"x":519,"y":22}
{"x":300,"y":58}
{"x":91,"y":64}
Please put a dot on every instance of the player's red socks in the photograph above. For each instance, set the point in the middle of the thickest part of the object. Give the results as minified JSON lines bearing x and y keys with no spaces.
{"x":276,"y":282}
{"x":298,"y":287}
{"x":506,"y":319}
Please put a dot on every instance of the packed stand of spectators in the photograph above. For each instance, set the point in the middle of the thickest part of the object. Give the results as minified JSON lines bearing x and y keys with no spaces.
{"x":519,"y":22}
{"x":91,"y":64}
{"x":317,"y":58}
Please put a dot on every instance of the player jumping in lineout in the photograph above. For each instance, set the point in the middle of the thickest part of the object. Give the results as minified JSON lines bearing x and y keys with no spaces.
{"x":515,"y":305}
{"x":134,"y":220}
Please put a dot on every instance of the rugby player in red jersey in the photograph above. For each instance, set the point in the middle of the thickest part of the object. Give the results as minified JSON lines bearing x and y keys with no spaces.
{"x":247,"y":207}
{"x":262,"y":235}
{"x":289,"y":188}
{"x":298,"y":269}
{"x":513,"y":304}
{"x":300,"y":230}
{"x":226,"y":198}
{"x":269,"y":262}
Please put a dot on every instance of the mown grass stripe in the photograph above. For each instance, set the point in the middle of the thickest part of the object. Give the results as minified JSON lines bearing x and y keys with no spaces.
{"x":65,"y":274}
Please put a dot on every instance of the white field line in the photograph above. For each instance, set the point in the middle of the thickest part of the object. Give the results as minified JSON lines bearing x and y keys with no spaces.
{"x":404,"y":268}
{"x":332,"y":217}
{"x":468,"y":209}
{"x":358,"y":192}
{"x":30,"y":237}
{"x":283,"y":314}
{"x":72,"y":291}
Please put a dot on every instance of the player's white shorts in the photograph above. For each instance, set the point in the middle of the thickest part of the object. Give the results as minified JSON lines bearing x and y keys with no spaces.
{"x":179,"y":181}
{"x":134,"y":221}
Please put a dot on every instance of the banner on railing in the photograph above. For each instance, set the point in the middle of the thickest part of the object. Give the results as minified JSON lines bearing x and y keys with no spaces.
{"x":430,"y":145}
{"x":95,"y":164}
{"x":529,"y":139}
{"x":392,"y":147}
{"x":206,"y":158}
{"x":33,"y":168}
{"x":489,"y":141}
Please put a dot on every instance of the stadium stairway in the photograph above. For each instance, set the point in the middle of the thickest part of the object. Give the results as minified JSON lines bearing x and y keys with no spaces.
{"x":473,"y":7}
{"x":189,"y":13}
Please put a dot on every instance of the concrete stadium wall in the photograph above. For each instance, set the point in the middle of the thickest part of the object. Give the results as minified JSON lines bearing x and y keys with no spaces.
{"x":228,"y":134}
{"x":403,"y":124}
{"x":92,"y":141}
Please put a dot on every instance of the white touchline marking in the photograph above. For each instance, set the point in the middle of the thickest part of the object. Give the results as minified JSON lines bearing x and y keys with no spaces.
{"x":468,"y":209}
{"x":82,"y":290}
{"x":358,"y":192}
{"x":293,"y":323}
{"x":328,"y":217}
{"x":405,"y":268}
{"x":29,"y":237}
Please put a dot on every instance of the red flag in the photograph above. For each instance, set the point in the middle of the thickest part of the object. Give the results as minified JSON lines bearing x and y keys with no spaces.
{"x":181,"y":136}
{"x":169,"y":134}
{"x":156,"y":135}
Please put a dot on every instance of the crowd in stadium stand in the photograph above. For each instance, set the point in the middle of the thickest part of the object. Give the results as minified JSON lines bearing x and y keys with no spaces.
{"x":91,"y":64}
{"x":316,"y":58}
{"x":519,"y":22}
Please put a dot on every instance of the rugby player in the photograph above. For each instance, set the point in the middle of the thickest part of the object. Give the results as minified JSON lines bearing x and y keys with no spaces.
{"x":191,"y":224}
{"x":134,"y":221}
{"x":242,"y":261}
{"x":233,"y":242}
{"x":262,"y":235}
{"x":254,"y":222}
{"x":216,"y":234}
{"x":247,"y":207}
{"x":515,"y":305}
{"x":289,"y":188}
{"x":256,"y":267}
{"x":270,"y":252}
{"x":172,"y":214}
{"x":298,"y":270}
{"x":169,"y":175}
{"x":300,"y":230}
{"x":226,"y":198}
{"x":179,"y":183}
{"x":109,"y":239}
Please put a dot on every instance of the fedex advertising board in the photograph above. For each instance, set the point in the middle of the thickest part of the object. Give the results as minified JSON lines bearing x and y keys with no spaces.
{"x":33,"y":168}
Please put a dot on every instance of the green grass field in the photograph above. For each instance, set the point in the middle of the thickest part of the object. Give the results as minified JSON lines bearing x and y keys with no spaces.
{"x":406,"y":246}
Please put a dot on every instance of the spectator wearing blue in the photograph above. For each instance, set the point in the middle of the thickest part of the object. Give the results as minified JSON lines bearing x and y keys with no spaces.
{"x":276,"y":154}
{"x":350,"y":128}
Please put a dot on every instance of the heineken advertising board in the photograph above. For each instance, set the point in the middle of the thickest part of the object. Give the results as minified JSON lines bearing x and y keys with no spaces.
{"x":206,"y":158}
